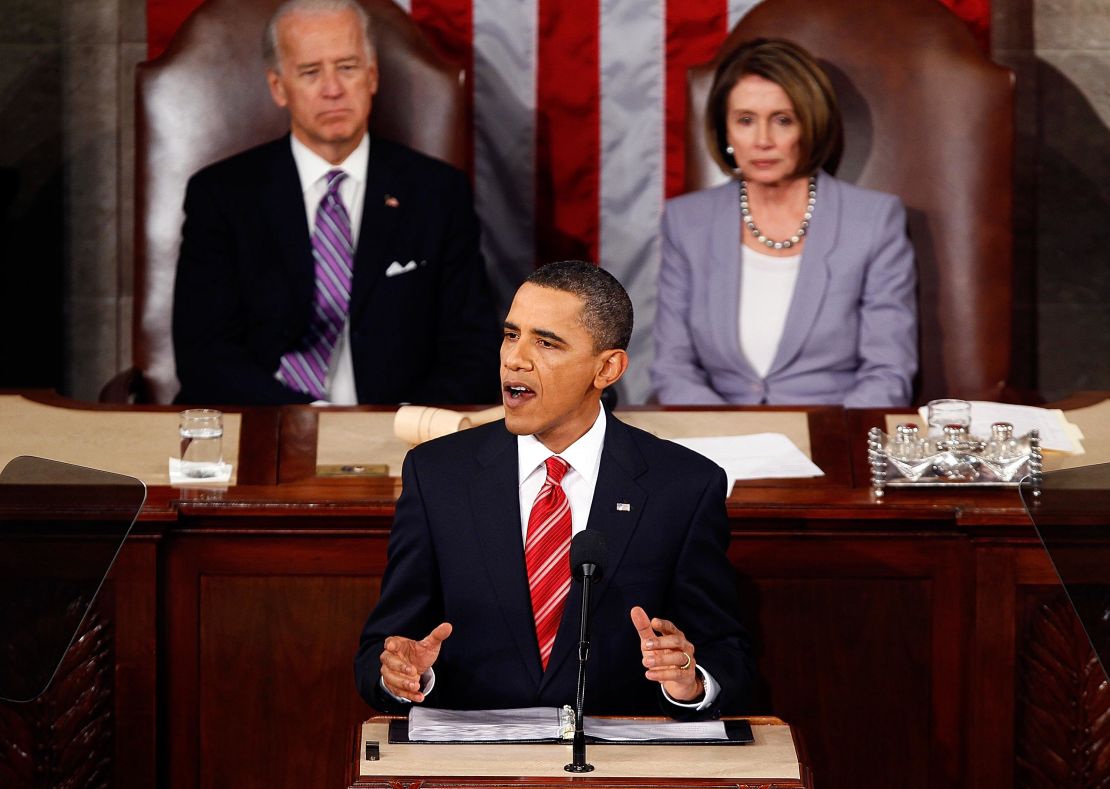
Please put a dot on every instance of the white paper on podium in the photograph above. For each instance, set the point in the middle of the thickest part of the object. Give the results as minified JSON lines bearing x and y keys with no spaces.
{"x":757,"y":456}
{"x":623,"y":730}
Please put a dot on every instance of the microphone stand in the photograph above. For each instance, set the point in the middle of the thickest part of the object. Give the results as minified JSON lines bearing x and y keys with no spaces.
{"x":579,"y":764}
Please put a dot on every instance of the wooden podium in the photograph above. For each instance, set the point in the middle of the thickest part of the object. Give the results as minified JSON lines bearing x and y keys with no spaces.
{"x":775,"y":760}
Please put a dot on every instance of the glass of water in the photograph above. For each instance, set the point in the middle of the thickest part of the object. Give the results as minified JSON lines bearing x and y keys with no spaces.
{"x":942,"y":413}
{"x":202,"y":442}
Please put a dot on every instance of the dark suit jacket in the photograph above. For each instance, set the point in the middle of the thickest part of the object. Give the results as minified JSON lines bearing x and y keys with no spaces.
{"x":456,"y":554}
{"x":245,"y":283}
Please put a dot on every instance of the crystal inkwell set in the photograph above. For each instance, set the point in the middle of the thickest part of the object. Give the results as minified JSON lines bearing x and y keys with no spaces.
{"x":950,"y":455}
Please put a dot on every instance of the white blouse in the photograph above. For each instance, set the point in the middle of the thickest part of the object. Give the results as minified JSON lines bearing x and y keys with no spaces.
{"x":766,"y":288}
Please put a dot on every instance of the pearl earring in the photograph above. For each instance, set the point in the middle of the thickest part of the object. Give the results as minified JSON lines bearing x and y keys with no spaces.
{"x":735,"y":167}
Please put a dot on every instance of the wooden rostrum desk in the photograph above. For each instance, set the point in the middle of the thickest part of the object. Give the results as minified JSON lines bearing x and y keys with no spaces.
{"x":906,"y":639}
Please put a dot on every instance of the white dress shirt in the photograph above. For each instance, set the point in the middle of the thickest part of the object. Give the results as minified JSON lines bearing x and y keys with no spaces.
{"x":312,"y":170}
{"x":584,"y":460}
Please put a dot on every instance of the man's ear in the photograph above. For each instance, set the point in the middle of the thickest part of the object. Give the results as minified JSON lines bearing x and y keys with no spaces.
{"x":613,"y":364}
{"x":373,"y":77}
{"x":277,"y":89}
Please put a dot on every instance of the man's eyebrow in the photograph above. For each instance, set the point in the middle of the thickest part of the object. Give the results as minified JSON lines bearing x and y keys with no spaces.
{"x":549,"y":335}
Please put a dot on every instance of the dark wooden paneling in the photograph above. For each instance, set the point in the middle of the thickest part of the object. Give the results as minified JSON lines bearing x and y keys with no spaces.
{"x":991,"y":700}
{"x":862,"y":640}
{"x":261,"y":636}
{"x":135,"y":613}
{"x":299,"y":430}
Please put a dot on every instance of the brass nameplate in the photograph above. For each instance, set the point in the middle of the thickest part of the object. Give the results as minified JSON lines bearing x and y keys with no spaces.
{"x":354,"y":470}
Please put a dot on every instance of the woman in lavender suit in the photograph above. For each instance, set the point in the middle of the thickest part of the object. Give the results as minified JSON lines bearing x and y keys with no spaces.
{"x":784,"y":285}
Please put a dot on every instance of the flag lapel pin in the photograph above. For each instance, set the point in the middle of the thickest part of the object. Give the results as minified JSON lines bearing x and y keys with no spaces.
{"x":623,"y":506}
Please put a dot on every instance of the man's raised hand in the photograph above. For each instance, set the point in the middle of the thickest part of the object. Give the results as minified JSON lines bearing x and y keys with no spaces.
{"x":667,"y":656}
{"x":405,"y":660}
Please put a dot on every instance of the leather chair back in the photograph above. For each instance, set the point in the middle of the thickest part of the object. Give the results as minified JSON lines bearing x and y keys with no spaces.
{"x":206,"y":98}
{"x":928,"y":117}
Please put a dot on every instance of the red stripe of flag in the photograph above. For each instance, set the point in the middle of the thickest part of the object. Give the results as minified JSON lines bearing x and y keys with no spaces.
{"x":694,"y":31}
{"x":449,"y":25}
{"x":977,"y":15}
{"x":568,"y":131}
{"x":163,"y":18}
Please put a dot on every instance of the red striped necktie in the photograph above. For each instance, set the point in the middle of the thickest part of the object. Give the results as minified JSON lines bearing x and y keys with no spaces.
{"x":546,"y":551}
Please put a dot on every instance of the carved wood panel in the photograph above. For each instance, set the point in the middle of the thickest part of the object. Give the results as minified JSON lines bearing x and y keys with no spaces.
{"x":1062,"y":698}
{"x":65,"y":738}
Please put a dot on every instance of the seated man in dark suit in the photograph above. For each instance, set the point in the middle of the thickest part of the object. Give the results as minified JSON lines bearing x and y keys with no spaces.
{"x":477,"y":609}
{"x":326,"y":266}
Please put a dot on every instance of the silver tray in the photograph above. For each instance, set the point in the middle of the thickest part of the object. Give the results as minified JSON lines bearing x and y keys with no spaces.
{"x":973,"y":463}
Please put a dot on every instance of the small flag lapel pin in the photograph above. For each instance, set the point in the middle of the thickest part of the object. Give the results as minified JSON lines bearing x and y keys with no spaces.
{"x":623,"y":506}
{"x":392,"y":202}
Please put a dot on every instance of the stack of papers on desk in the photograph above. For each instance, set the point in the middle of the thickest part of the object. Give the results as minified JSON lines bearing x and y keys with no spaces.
{"x":758,"y":456}
{"x":1057,"y":433}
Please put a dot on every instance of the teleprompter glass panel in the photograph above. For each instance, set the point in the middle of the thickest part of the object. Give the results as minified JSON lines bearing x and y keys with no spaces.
{"x":1072,"y":517}
{"x":61,"y":527}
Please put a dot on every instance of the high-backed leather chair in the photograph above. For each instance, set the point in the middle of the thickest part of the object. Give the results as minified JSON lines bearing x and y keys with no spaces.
{"x":206,"y":98}
{"x":928,"y":117}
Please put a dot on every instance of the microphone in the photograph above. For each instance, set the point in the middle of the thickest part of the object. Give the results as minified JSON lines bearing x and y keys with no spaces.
{"x":587,"y":559}
{"x":587,"y":554}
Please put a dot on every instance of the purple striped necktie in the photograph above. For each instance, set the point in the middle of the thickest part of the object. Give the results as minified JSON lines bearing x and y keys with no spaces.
{"x":305,"y":368}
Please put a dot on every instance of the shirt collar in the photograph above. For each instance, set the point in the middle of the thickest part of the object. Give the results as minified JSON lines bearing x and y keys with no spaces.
{"x":311,"y":167}
{"x":584,"y":455}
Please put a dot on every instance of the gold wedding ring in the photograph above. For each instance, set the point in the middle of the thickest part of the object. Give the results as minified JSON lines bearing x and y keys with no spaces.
{"x":686,"y":665}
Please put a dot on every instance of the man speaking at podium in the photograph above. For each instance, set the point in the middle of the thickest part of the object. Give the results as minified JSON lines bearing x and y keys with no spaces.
{"x":477,"y":608}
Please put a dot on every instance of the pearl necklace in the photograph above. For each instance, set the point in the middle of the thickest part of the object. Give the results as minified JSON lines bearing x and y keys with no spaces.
{"x":749,"y":222}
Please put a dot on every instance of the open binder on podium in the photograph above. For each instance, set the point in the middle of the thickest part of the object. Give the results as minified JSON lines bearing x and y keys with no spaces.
{"x":554,"y":725}
{"x":61,"y":528}
{"x":1071,"y":514}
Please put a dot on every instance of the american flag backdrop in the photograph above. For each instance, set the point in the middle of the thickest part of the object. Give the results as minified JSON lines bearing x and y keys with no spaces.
{"x":579,"y":112}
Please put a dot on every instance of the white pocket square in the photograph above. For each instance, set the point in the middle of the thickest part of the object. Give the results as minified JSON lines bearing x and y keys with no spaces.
{"x":395,"y":268}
